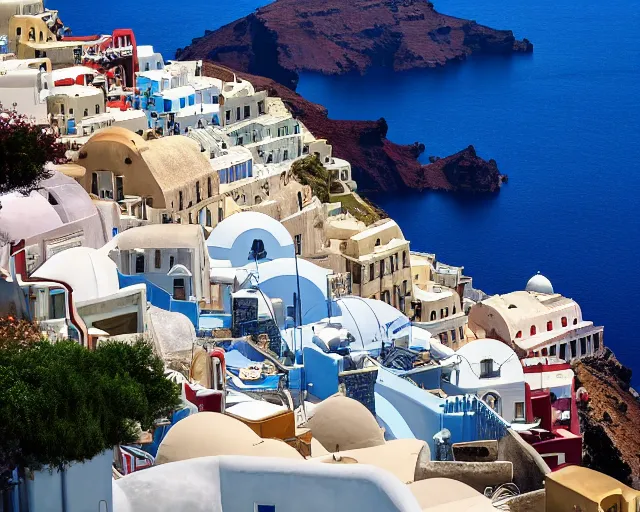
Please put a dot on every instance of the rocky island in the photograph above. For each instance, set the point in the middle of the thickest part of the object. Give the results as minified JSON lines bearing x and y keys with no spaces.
{"x":336,"y":36}
{"x":379,"y":164}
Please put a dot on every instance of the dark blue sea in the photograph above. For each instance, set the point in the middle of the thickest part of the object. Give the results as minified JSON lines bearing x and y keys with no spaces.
{"x":563,"y":123}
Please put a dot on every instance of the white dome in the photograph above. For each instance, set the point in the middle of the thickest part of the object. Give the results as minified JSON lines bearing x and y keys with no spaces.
{"x":539,"y":284}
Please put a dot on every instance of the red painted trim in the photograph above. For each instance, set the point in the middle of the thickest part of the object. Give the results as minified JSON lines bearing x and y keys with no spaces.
{"x":527,"y":403}
{"x":542,"y":368}
{"x":94,"y":37}
{"x":20,"y":263}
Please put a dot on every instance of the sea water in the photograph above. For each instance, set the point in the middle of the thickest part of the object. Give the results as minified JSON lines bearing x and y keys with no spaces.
{"x":563,"y":123}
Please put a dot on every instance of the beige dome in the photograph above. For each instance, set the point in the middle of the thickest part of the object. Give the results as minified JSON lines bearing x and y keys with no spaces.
{"x":340,"y":423}
{"x":211,"y":433}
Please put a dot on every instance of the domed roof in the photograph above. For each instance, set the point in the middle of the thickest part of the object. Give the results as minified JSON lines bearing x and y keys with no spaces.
{"x":90,"y":273}
{"x":539,"y":284}
{"x":340,"y":423}
{"x":210,"y":433}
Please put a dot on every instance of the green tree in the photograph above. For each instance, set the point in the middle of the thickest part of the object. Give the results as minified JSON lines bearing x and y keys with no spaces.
{"x":61,"y":403}
{"x":25,"y":149}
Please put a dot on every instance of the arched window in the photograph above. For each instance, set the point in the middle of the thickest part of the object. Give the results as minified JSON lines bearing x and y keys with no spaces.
{"x":377,"y":242}
{"x":549,"y":325}
{"x":446,"y":312}
{"x":519,"y":334}
{"x":454,"y":310}
{"x":433,"y":316}
{"x":575,"y":321}
{"x":32,"y":34}
{"x":493,"y":401}
{"x":209,"y":188}
{"x":532,"y":332}
{"x":208,"y":217}
{"x":564,"y":321}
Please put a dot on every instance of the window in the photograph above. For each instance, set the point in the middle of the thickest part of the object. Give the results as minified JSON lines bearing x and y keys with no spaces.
{"x":442,"y":313}
{"x":575,"y":321}
{"x":454,"y":310}
{"x":461,"y":333}
{"x":493,"y":401}
{"x":519,"y":334}
{"x":377,"y":242}
{"x":549,"y":325}
{"x":553,"y":350}
{"x":486,"y":368}
{"x":395,"y":262}
{"x":563,"y":351}
{"x":404,"y":259}
{"x":261,"y":107}
{"x":247,"y":111}
{"x":190,"y":218}
{"x":220,"y":214}
{"x":381,"y":268}
{"x":70,"y":111}
{"x":297,"y":240}
{"x":264,"y":508}
{"x":140,"y":264}
{"x":171,"y":261}
{"x":433,"y":316}
{"x":179,"y":292}
{"x":405,"y":287}
{"x":519,"y":412}
{"x":97,"y":109}
{"x":86,"y":112}
{"x":209,"y":188}
{"x":446,"y":311}
{"x":32,"y":34}
{"x":573,"y":344}
{"x":94,"y":183}
{"x":453,"y":335}
{"x":237,"y":113}
{"x":180,"y":201}
{"x":285,"y":154}
{"x":532,"y":331}
{"x":564,"y":321}
{"x":208,"y":216}
{"x":583,"y":346}
{"x":596,"y":342}
{"x":158,"y":259}
{"x":19,"y":31}
{"x":227,"y":115}
{"x":197,"y":191}
{"x":146,"y":67}
{"x":372,"y":272}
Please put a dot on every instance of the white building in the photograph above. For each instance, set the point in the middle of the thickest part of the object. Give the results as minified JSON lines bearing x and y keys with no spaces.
{"x":491,"y":370}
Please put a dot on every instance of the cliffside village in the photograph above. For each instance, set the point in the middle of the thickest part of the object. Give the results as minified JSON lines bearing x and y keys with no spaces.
{"x":199,"y":213}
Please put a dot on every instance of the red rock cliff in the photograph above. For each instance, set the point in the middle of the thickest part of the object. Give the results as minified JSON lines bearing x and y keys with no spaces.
{"x":340,"y":36}
{"x":610,"y":421}
{"x":379,"y":164}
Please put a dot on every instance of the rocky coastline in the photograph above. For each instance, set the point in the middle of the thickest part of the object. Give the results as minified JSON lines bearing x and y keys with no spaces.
{"x":609,"y":420}
{"x":333,"y":37}
{"x":379,"y":165}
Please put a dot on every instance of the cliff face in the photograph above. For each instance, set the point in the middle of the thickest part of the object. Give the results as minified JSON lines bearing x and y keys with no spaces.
{"x":340,"y":36}
{"x":611,"y":419}
{"x":377,"y":163}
